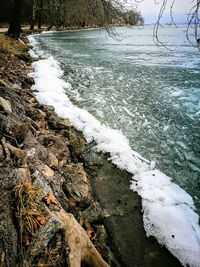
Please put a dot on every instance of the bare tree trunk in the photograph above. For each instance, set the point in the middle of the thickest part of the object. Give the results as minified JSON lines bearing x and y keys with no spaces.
{"x":40,"y":13}
{"x":15,"y":25}
{"x":33,"y":15}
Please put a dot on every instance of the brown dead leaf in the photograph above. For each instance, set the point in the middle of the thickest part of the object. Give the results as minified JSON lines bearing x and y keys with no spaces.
{"x":94,"y":237}
{"x":82,"y":221}
{"x":89,"y":233}
{"x":50,"y":199}
{"x":25,"y":240}
{"x":72,"y":200}
{"x":42,"y":262}
{"x":41,"y":219}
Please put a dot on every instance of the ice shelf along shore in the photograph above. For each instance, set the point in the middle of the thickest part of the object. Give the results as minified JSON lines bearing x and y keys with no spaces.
{"x":168,"y":211}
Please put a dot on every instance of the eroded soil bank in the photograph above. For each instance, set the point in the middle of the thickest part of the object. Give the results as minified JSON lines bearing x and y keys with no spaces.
{"x":61,"y":204}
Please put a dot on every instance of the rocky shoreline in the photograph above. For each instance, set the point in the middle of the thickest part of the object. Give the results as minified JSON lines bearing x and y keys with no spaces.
{"x":53,"y":185}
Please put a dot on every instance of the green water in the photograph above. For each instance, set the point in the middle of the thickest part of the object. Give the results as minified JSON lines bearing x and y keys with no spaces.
{"x":152,"y":94}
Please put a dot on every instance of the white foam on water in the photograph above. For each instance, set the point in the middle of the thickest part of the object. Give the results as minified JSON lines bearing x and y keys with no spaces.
{"x":168,"y":211}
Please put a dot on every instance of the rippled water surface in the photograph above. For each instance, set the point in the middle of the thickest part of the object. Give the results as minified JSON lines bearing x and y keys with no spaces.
{"x":152,"y":94}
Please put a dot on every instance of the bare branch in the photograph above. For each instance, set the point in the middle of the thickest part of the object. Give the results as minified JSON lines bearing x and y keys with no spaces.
{"x":171,"y":14}
{"x":194,"y":23}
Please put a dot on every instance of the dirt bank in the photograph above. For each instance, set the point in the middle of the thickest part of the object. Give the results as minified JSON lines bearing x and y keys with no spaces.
{"x":42,"y":180}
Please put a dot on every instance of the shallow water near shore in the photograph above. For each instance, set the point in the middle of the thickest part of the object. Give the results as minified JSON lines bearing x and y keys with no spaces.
{"x":124,"y":223}
{"x":152,"y":94}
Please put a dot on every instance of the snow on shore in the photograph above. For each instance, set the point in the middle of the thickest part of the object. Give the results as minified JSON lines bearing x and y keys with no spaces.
{"x":168,"y":211}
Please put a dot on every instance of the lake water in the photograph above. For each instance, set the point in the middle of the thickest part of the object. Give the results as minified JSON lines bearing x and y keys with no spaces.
{"x":151,"y":93}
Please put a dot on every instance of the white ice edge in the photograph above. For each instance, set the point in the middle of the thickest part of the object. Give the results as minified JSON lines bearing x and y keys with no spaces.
{"x":168,"y":211}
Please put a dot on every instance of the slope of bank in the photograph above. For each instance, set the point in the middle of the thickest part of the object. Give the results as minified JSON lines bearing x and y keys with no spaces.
{"x":43,"y":181}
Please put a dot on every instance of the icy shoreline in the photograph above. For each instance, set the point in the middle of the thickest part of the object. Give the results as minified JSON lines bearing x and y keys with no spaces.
{"x":168,"y":211}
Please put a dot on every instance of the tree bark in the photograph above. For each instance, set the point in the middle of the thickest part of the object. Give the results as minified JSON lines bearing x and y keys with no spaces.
{"x":33,"y":15}
{"x":15,"y":25}
{"x":40,"y":13}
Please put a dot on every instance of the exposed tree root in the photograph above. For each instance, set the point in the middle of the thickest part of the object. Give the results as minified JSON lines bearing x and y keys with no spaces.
{"x":39,"y":223}
{"x":81,"y":248}
{"x":6,"y":150}
{"x":18,"y":153}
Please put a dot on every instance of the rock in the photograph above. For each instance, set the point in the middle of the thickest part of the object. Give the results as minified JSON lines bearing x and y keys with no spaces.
{"x":40,"y":182}
{"x":22,"y":131}
{"x":43,"y":236}
{"x":57,"y":145}
{"x":41,"y":152}
{"x":57,"y":123}
{"x":5,"y":105}
{"x":35,"y":114}
{"x":23,"y":174}
{"x":94,"y":213}
{"x":91,"y":157}
{"x":47,"y":108}
{"x":8,"y":231}
{"x":12,"y":126}
{"x":16,"y":86}
{"x":31,"y":152}
{"x":3,"y":83}
{"x":28,"y":81}
{"x":57,"y":247}
{"x":2,"y":157}
{"x":42,"y":113}
{"x":17,"y":102}
{"x":25,"y":57}
{"x":76,"y":184}
{"x":45,"y":170}
{"x":52,"y":160}
{"x":100,"y":241}
{"x":76,"y":140}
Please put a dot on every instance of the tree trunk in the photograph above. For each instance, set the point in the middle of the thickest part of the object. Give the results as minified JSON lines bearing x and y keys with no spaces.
{"x":33,"y":15}
{"x":40,"y":13}
{"x":15,"y":25}
{"x":32,"y":24}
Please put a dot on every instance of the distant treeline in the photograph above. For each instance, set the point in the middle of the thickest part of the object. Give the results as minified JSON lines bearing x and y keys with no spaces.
{"x":67,"y":13}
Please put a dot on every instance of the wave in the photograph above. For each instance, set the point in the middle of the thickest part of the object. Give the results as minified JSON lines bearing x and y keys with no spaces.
{"x":168,"y":211}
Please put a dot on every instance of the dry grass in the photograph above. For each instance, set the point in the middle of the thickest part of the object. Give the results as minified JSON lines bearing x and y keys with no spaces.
{"x":11,"y":45}
{"x":30,"y":216}
{"x":29,"y":211}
